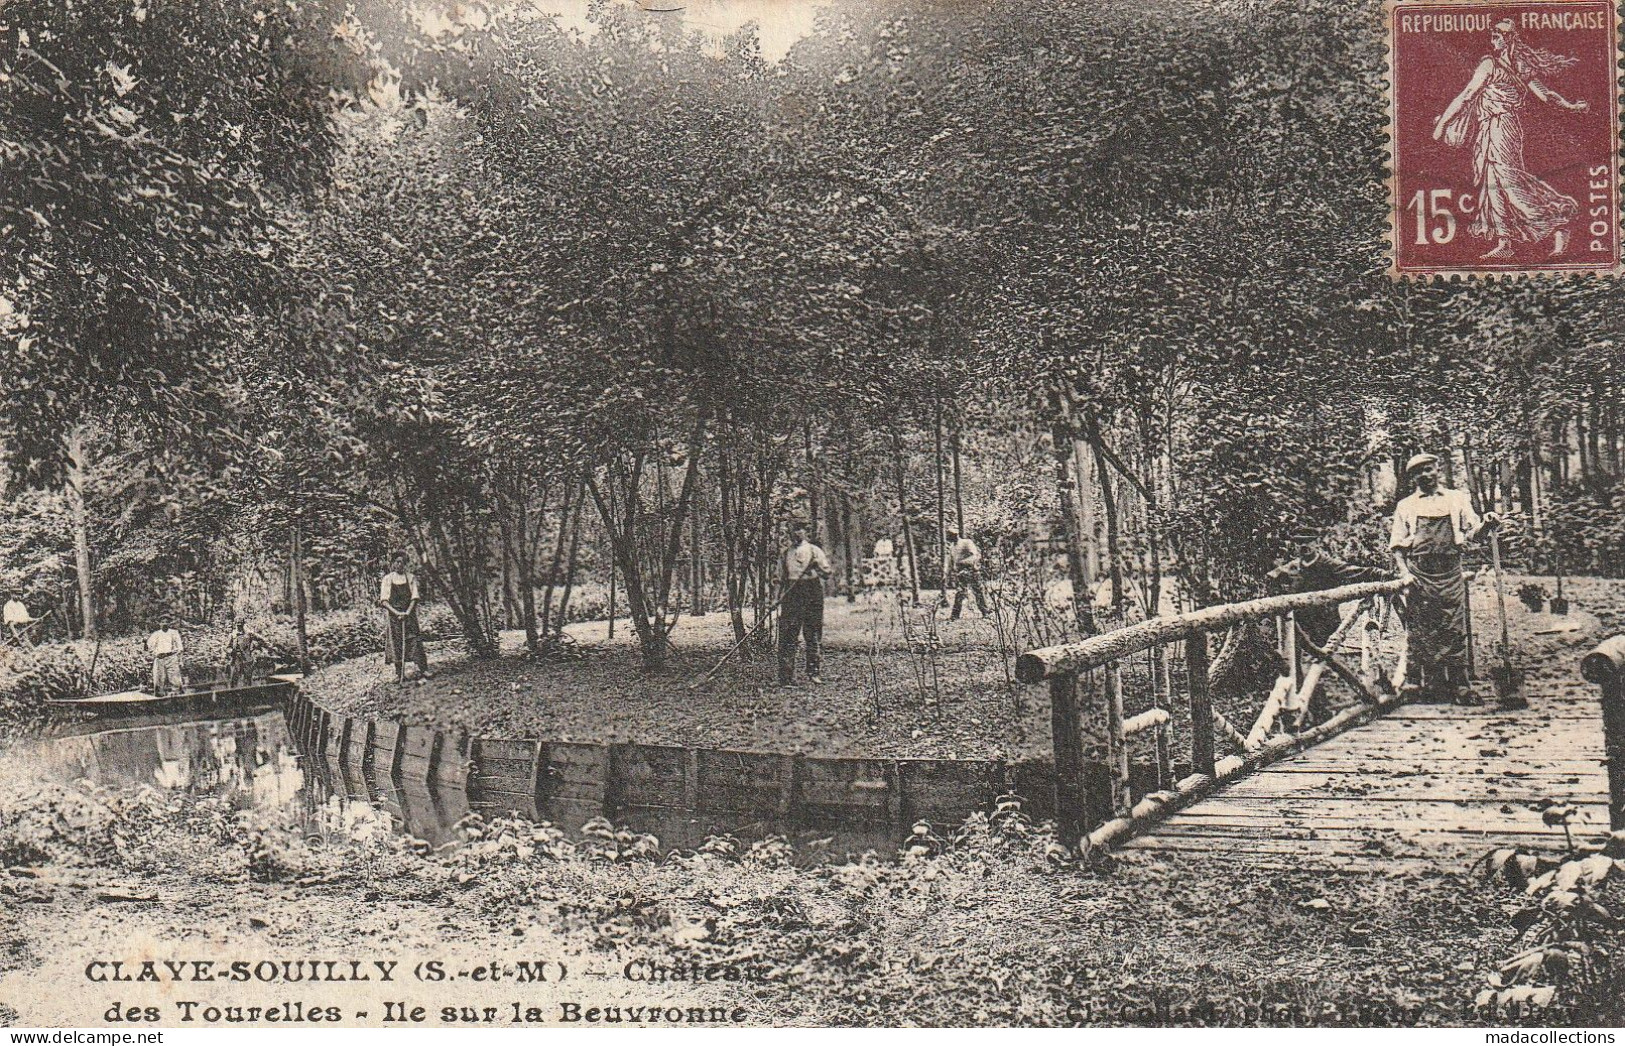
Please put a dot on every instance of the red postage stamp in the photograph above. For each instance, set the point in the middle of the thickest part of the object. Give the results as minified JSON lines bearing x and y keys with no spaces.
{"x":1504,"y":137}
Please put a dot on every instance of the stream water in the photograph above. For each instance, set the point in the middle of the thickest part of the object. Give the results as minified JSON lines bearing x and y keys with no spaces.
{"x":253,"y":762}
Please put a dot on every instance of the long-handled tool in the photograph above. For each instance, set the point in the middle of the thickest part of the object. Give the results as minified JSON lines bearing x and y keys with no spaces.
{"x":764,"y":619}
{"x":1467,"y":607}
{"x":390,"y":646}
{"x":1508,"y":679}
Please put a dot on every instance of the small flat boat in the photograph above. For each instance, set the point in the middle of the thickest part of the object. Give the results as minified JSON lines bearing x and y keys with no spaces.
{"x":206,"y":701}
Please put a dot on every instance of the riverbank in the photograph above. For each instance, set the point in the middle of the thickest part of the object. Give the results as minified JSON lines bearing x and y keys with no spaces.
{"x":887,"y":692}
{"x":993,"y":930}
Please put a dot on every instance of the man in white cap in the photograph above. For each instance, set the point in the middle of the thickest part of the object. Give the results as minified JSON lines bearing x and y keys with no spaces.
{"x":1431,"y":527}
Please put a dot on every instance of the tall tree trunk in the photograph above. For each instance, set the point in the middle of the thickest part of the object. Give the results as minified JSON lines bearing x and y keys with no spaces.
{"x":764,"y":538}
{"x":942,"y":498}
{"x":296,"y":565}
{"x":1088,"y":529}
{"x":571,"y":496}
{"x":846,"y":548}
{"x":1560,"y":454}
{"x":1582,"y":447}
{"x":619,"y":499}
{"x":1108,"y":501}
{"x":527,"y":571}
{"x":1536,"y":514}
{"x":959,"y":485}
{"x":79,"y":511}
{"x":510,"y":601}
{"x":696,"y":564}
{"x":611,"y":630}
{"x":1061,"y":446}
{"x":569,"y":571}
{"x":730,"y":481}
{"x":903,"y":513}
{"x":815,"y":502}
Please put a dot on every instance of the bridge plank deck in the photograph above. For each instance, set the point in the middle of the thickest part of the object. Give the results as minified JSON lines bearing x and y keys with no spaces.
{"x":1426,"y":785}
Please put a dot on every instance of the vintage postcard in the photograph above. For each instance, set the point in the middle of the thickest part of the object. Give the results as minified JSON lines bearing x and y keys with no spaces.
{"x":810,"y":513}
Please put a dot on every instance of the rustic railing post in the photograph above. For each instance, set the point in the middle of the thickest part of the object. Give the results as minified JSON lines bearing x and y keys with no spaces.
{"x":1605,"y":666}
{"x":1201,"y":704}
{"x":1162,"y":685}
{"x":1294,"y":659}
{"x":1116,"y":742}
{"x":1063,"y":725}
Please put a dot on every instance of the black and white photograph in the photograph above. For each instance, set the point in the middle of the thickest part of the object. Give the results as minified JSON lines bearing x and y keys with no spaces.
{"x":854,"y":514}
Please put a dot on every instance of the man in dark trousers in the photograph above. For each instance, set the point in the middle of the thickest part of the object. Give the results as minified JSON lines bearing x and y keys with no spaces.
{"x":965,"y":560}
{"x":801,"y":613}
{"x":398,"y":595}
{"x":240,"y":647}
{"x":1314,"y":571}
{"x":1431,"y":527}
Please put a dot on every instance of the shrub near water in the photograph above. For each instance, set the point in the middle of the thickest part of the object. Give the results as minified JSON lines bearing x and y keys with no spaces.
{"x":64,"y":670}
{"x":28,"y":680}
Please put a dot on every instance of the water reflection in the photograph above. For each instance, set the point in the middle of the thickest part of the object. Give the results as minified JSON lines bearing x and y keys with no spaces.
{"x":249,"y":762}
{"x":255,"y":763}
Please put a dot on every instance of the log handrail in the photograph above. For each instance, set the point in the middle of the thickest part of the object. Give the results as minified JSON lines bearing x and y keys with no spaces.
{"x":1092,"y":736}
{"x":1606,"y":664}
{"x":1035,"y":666}
{"x":1147,"y":720}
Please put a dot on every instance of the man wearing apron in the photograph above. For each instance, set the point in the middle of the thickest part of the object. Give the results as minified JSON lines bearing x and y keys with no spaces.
{"x":1431,"y":526}
{"x":398,"y":595}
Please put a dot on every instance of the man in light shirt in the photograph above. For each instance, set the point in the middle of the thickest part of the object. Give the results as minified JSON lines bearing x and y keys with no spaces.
{"x":166,"y":649}
{"x":801,"y":612}
{"x":18,"y":622}
{"x":965,"y":561}
{"x":1431,"y":527}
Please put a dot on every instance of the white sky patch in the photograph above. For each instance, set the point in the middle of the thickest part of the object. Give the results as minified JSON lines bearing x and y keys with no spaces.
{"x":779,"y":23}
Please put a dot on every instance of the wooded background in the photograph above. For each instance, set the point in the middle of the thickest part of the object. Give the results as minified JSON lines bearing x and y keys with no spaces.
{"x":290,"y":284}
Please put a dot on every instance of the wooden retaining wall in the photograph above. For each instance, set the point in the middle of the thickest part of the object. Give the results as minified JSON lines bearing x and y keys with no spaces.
{"x":413,"y":768}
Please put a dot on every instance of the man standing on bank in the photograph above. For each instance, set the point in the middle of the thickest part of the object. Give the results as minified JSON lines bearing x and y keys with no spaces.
{"x":398,"y":595}
{"x":1431,"y":527}
{"x":801,"y":611}
{"x":166,"y":649}
{"x":966,"y":561}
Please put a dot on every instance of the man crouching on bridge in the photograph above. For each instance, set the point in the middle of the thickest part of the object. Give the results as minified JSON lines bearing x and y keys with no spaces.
{"x":1430,"y":528}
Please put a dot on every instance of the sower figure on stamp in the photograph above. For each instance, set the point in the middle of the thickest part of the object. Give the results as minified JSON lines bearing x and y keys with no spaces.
{"x":801,"y":612}
{"x":1514,"y":205}
{"x":965,"y":559}
{"x":398,"y":595}
{"x":1431,"y":527}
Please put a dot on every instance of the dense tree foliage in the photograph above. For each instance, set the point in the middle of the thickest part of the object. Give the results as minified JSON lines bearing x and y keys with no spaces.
{"x":540,"y":297}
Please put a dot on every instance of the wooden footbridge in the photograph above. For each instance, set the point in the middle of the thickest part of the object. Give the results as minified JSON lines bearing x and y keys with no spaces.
{"x":1336,"y":767}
